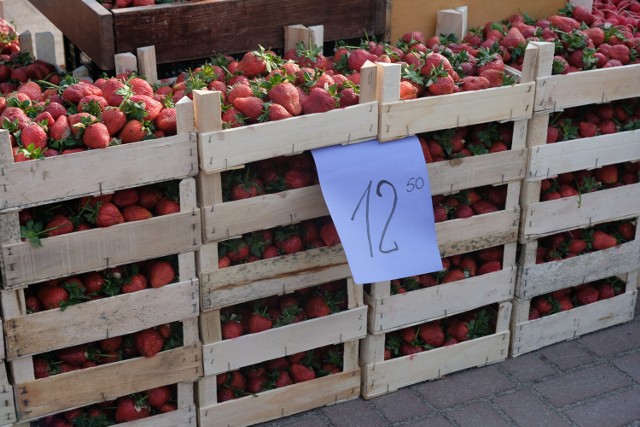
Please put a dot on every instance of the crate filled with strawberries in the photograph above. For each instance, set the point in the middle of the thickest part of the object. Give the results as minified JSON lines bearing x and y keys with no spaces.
{"x":435,"y":348}
{"x":104,"y":28}
{"x":553,"y":271}
{"x":281,"y":386}
{"x":169,"y":405}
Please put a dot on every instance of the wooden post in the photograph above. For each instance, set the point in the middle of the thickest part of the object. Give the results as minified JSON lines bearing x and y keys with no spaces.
{"x":147,"y":63}
{"x":26,"y":42}
{"x":452,"y":21}
{"x":46,"y":47}
{"x":125,"y":63}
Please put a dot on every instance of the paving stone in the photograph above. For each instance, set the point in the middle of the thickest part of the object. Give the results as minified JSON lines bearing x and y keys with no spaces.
{"x":400,"y":406}
{"x":528,"y":367}
{"x":305,"y":419}
{"x":438,"y":421}
{"x":567,"y":355}
{"x":355,"y":413}
{"x":463,"y":386}
{"x":575,"y":386}
{"x":527,"y":410}
{"x":477,"y":414}
{"x":610,"y":341}
{"x":614,"y":411}
{"x":630,"y":364}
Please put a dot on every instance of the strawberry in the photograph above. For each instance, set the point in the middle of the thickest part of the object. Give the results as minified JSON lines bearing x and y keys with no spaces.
{"x":111,"y":344}
{"x":587,"y":295}
{"x":319,"y":100}
{"x":156,"y":397}
{"x":148,"y":342}
{"x":33,"y":134}
{"x":606,"y":291}
{"x":286,"y":95}
{"x":167,"y":207}
{"x":52,"y":297}
{"x":96,"y":135}
{"x":627,"y":230}
{"x":114,"y":119}
{"x":255,"y":63}
{"x":489,"y":267}
{"x":127,"y":197}
{"x":282,"y":379}
{"x":607,"y":174}
{"x":133,"y":131}
{"x":459,"y":331}
{"x":542,"y":305}
{"x":232,"y":329}
{"x":151,"y":106}
{"x":166,"y":121}
{"x":77,"y":91}
{"x":587,"y":129}
{"x":60,"y":129}
{"x":289,"y":243}
{"x":601,"y":240}
{"x":409,"y":349}
{"x":225,"y":394}
{"x":41,"y":367}
{"x":276,"y":112}
{"x":258,"y":322}
{"x":463,"y":211}
{"x":59,"y":225}
{"x":565,"y":304}
{"x":564,"y":23}
{"x":140,"y":86}
{"x":135,"y":213}
{"x":256,"y":385}
{"x":316,"y":306}
{"x":431,"y":334}
{"x":148,"y":197}
{"x":135,"y":283}
{"x":75,"y":356}
{"x":237,"y":250}
{"x":32,"y":303}
{"x":454,"y":275}
{"x":329,"y":234}
{"x":160,"y":273}
{"x":298,"y":178}
{"x":108,"y":215}
{"x":130,"y":410}
{"x":250,"y":106}
{"x":440,"y":83}
{"x":93,"y":282}
{"x":470,"y":83}
{"x":300,"y":373}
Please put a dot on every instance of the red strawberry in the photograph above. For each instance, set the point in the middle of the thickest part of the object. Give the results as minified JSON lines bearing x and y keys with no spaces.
{"x":627,"y":230}
{"x":329,"y":234}
{"x":565,"y":304}
{"x":300,"y":373}
{"x":114,"y":119}
{"x":542,"y":305}
{"x":489,"y":267}
{"x":75,"y":356}
{"x":160,"y":273}
{"x":111,"y":344}
{"x":470,"y":83}
{"x":151,"y":106}
{"x":167,"y":207}
{"x":316,"y":306}
{"x":135,"y":213}
{"x":96,"y":135}
{"x":59,"y":225}
{"x":41,"y":367}
{"x":149,"y":342}
{"x":601,"y":240}
{"x":258,"y":323}
{"x":606,"y":291}
{"x":252,"y":64}
{"x":232,"y":329}
{"x":33,"y":134}
{"x":108,"y":215}
{"x":136,"y":283}
{"x":431,"y":334}
{"x":60,"y":129}
{"x":283,"y":379}
{"x":225,"y":394}
{"x":409,"y":349}
{"x":459,"y":331}
{"x":286,"y":95}
{"x":52,"y":296}
{"x":564,"y":23}
{"x":249,"y":187}
{"x":127,"y":197}
{"x":454,"y":275}
{"x":607,"y":174}
{"x":166,"y":121}
{"x":133,"y":131}
{"x":156,"y":397}
{"x":587,"y":129}
{"x":250,"y":106}
{"x":441,"y":84}
{"x":32,"y":303}
{"x":140,"y":86}
{"x":319,"y":100}
{"x":298,"y":178}
{"x":129,"y":410}
{"x":148,"y":197}
{"x":256,"y":385}
{"x":587,"y":295}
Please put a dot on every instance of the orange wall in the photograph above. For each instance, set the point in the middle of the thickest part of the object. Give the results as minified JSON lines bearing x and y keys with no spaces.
{"x":412,"y":15}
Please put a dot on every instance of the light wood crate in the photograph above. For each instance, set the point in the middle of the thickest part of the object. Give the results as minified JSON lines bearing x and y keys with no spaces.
{"x":36,"y":398}
{"x":222,"y":355}
{"x":98,"y":248}
{"x":281,"y":402}
{"x":381,"y":376}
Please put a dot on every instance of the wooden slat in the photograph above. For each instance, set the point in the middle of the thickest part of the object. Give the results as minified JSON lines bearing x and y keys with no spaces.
{"x":101,"y":248}
{"x":459,"y":236}
{"x":96,"y":172}
{"x":226,"y":149}
{"x":100,"y":319}
{"x":101,"y":383}
{"x":91,"y":30}
{"x":228,"y":355}
{"x":225,"y":220}
{"x":281,"y":402}
{"x":550,"y":160}
{"x":384,"y":377}
{"x":424,"y":305}
{"x":475,"y":171}
{"x":403,"y":118}
{"x":232,"y":285}
{"x":7,"y":404}
{"x":534,"y":334}
{"x":556,"y":93}
{"x":543,"y":278}
{"x":550,"y":217}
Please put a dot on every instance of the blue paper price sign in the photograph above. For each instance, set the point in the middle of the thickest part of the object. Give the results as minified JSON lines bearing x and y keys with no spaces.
{"x":380,"y":202}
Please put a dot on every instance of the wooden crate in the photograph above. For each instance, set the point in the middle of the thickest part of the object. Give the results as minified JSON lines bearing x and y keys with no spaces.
{"x":281,"y":402}
{"x":7,"y":403}
{"x":36,"y":398}
{"x":389,"y":312}
{"x":45,"y":331}
{"x":99,"y":248}
{"x":96,"y":172}
{"x":199,"y":28}
{"x":530,"y":335}
{"x":381,"y":376}
{"x":220,"y":355}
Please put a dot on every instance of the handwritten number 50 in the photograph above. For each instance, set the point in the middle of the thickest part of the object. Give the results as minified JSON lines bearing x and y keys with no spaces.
{"x":366,"y":196}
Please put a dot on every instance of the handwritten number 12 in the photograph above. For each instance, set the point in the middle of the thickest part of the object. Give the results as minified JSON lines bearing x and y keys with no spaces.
{"x":366,"y":196}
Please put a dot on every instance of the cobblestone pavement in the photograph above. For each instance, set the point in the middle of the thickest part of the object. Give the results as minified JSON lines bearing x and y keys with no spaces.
{"x":593,"y":381}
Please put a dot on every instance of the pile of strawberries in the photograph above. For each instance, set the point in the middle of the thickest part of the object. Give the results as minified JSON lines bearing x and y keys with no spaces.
{"x":568,"y":298}
{"x":269,"y":176}
{"x":136,"y":406}
{"x":456,"y":267}
{"x":280,"y":372}
{"x":586,"y":181}
{"x":283,"y":240}
{"x":439,"y":333}
{"x":467,"y":203}
{"x":63,"y":292}
{"x":267,"y":313}
{"x":592,"y":120}
{"x":133,"y":204}
{"x":581,"y":241}
{"x":145,"y":343}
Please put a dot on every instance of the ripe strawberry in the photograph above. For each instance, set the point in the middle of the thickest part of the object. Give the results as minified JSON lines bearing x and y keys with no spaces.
{"x":258,"y":322}
{"x":156,"y":397}
{"x":454,"y":275}
{"x":167,"y":207}
{"x":96,"y":135}
{"x":564,"y":23}
{"x":250,"y":106}
{"x":127,"y":197}
{"x":606,"y":291}
{"x":542,"y":305}
{"x":300,"y":373}
{"x":114,"y":119}
{"x":148,"y":197}
{"x":32,"y":303}
{"x":316,"y":306}
{"x":112,"y":344}
{"x":225,"y":394}
{"x":59,"y":225}
{"x":587,"y":129}
{"x":601,"y":240}
{"x":166,"y":121}
{"x":329,"y":234}
{"x":587,"y":295}
{"x":459,"y":331}
{"x":298,"y":178}
{"x":135,"y":213}
{"x":167,"y":407}
{"x":151,"y":106}
{"x":627,"y":230}
{"x":133,"y":131}
{"x":232,"y":329}
{"x":463,"y":211}
{"x":41,"y":367}
{"x":108,"y":215}
{"x":286,"y":95}
{"x":431,"y":334}
{"x":282,"y":379}
{"x":33,"y":134}
{"x":148,"y":342}
{"x":253,"y":64}
{"x":565,"y":304}
{"x":319,"y":100}
{"x":607,"y":174}
{"x":249,"y":187}
{"x":45,"y":118}
{"x":409,"y":349}
{"x":160,"y":273}
{"x":140,"y":86}
{"x":52,"y":296}
{"x":470,"y":83}
{"x":75,"y":356}
{"x":130,"y":410}
{"x":136,"y":282}
{"x":489,"y":267}
{"x":60,"y":129}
